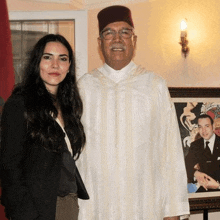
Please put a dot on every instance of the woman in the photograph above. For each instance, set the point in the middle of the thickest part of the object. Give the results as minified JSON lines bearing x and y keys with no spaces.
{"x":42,"y":136}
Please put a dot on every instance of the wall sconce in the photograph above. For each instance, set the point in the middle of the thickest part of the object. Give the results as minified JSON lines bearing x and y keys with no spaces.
{"x":183,"y":38}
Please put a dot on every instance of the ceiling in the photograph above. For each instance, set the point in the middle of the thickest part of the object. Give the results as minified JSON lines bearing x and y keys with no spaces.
{"x":89,"y":4}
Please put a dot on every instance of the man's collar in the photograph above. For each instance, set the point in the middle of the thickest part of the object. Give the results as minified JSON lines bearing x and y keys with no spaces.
{"x":212,"y":138}
{"x":124,"y":69}
{"x":117,"y":75}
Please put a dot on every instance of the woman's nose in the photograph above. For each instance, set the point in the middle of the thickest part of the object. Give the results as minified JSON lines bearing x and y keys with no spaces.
{"x":55,"y":63}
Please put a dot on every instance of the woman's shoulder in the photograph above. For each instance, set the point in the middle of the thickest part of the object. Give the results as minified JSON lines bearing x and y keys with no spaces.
{"x":14,"y":103}
{"x":15,"y":98}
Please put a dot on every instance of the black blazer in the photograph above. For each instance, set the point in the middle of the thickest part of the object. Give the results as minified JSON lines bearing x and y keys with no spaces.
{"x":30,"y":174}
{"x":196,"y":155}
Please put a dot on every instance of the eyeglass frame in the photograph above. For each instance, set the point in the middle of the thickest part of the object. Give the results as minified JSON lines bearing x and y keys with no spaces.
{"x":119,"y":32}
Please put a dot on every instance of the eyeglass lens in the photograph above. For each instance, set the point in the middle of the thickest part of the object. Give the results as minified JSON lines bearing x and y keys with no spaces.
{"x":110,"y":34}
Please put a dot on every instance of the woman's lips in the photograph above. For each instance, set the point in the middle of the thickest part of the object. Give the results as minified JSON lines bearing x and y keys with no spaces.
{"x":54,"y":74}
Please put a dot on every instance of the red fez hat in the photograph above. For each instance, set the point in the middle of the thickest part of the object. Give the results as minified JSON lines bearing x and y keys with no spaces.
{"x":112,"y":14}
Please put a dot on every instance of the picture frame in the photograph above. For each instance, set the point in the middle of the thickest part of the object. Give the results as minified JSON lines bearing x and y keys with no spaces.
{"x":206,"y":201}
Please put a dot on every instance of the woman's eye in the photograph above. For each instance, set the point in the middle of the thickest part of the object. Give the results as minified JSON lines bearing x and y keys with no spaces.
{"x":46,"y":57}
{"x":63,"y":58}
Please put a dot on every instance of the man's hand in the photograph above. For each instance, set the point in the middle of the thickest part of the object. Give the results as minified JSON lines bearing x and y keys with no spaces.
{"x":206,"y":181}
{"x":212,"y":184}
{"x":201,"y":178}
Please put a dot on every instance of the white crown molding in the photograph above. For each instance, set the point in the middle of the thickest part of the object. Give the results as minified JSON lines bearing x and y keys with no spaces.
{"x":92,"y":4}
{"x":79,"y":4}
{"x":50,"y":1}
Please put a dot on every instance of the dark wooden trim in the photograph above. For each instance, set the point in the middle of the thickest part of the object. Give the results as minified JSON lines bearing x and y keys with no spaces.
{"x":204,"y":203}
{"x":197,"y":92}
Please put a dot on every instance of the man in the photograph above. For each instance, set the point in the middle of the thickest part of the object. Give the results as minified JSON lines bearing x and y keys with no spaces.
{"x":203,"y":159}
{"x":133,"y":162}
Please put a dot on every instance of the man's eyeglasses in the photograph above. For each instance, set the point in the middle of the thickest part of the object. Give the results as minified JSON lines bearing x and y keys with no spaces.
{"x":109,"y":34}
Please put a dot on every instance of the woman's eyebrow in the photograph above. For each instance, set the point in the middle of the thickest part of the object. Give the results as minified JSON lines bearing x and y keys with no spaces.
{"x":64,"y":55}
{"x":53,"y":54}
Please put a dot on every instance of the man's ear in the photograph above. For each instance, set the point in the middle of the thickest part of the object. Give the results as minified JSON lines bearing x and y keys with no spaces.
{"x":134,"y":40}
{"x":99,"y":41}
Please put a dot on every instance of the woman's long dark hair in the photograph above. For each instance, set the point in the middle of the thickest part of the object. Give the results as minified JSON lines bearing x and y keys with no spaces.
{"x":40,"y":103}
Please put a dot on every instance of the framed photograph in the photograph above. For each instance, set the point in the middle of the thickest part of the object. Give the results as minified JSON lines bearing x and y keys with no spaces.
{"x":189,"y":104}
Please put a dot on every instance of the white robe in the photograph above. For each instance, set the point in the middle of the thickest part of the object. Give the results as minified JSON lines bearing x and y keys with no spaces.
{"x":132,"y":165}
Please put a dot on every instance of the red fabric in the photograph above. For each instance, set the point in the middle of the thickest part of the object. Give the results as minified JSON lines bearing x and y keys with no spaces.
{"x":6,"y":57}
{"x":2,"y":212}
{"x":6,"y":65}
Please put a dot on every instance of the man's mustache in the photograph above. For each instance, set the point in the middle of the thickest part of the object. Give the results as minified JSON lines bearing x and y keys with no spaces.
{"x":117,"y":46}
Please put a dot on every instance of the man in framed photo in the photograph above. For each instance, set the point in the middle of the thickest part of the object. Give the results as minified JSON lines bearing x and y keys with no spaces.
{"x":203,"y":159}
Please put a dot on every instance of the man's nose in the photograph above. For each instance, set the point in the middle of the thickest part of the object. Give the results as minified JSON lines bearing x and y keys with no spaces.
{"x":117,"y":36}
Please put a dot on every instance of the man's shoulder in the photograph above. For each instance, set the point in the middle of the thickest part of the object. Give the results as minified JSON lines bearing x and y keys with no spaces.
{"x":90,"y":75}
{"x":197,"y":142}
{"x":142,"y":71}
{"x":196,"y":146}
{"x":152,"y":80}
{"x":87,"y":74}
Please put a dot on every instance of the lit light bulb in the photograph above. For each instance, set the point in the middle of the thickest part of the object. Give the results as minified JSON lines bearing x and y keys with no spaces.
{"x":183,"y":38}
{"x":183,"y":25}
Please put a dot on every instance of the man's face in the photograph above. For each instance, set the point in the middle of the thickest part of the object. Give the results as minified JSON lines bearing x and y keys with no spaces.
{"x":205,"y":128}
{"x":118,"y":51}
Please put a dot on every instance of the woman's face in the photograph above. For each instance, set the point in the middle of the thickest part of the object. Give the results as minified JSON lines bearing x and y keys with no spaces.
{"x":54,"y":65}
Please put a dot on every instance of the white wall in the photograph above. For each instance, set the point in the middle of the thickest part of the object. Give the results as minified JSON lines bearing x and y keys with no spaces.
{"x":157,"y":25}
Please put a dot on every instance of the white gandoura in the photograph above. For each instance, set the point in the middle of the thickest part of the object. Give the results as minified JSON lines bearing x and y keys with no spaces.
{"x":132,"y":164}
